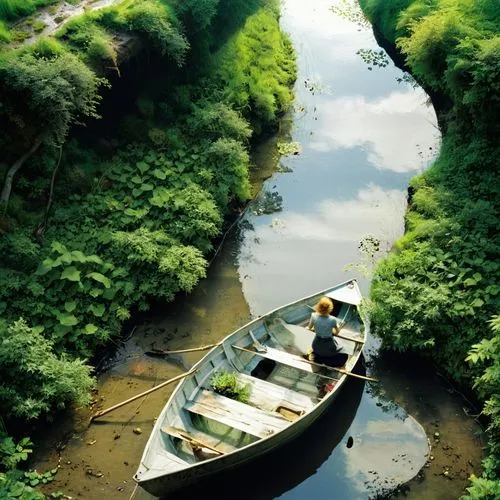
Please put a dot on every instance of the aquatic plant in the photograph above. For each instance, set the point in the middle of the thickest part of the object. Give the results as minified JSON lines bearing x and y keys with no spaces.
{"x":227,"y":384}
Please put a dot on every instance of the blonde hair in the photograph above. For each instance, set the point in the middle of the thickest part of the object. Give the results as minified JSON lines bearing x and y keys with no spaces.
{"x":324,"y":306}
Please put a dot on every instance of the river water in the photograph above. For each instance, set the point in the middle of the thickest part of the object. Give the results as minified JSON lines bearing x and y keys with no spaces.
{"x":362,"y":134}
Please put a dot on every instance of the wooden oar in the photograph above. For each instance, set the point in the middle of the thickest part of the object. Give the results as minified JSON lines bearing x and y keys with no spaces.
{"x":341,"y":370}
{"x":145,"y":393}
{"x":161,"y":352}
{"x":319,"y":365}
{"x":181,"y":434}
{"x":299,"y":329}
{"x":357,"y":341}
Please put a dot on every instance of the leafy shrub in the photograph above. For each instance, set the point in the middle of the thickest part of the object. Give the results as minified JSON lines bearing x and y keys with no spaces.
{"x":218,"y":120}
{"x":487,"y":355}
{"x":52,"y":382}
{"x":152,"y":19}
{"x":142,"y":223}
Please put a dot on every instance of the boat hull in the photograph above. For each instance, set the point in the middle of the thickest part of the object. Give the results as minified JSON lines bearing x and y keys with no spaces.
{"x":160,"y":482}
{"x":182,"y":479}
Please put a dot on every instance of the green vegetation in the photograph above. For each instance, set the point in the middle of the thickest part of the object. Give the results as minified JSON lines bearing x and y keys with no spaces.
{"x":88,"y":236}
{"x":12,"y":9}
{"x":5,"y":35}
{"x":15,"y":483}
{"x":439,"y":290}
{"x":227,"y":384}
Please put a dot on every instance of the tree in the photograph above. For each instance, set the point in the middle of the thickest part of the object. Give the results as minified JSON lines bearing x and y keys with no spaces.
{"x":40,"y":98}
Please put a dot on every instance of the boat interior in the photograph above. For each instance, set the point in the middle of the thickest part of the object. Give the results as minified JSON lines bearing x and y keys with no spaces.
{"x":267,"y":358}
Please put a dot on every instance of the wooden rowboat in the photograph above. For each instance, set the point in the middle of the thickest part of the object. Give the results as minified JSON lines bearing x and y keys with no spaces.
{"x":200,"y":432}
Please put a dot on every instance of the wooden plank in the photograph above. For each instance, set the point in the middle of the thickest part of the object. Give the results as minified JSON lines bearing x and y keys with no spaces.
{"x":235,"y":414}
{"x":288,"y":359}
{"x":269,"y":396}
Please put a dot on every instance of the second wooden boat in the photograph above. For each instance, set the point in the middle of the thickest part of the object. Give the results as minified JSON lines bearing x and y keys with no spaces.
{"x":201,"y":432}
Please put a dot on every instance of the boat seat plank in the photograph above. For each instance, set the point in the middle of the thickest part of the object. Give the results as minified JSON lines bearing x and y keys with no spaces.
{"x":234,"y":414}
{"x":288,"y":359}
{"x":269,"y":396}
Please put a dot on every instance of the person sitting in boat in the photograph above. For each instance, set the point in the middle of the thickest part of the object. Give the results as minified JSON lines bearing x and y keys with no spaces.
{"x":325,"y":349}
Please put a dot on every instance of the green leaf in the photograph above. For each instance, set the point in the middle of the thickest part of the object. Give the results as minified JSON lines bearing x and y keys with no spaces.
{"x":100,"y":278}
{"x":142,"y":166}
{"x":477,"y":303}
{"x":78,"y":256}
{"x":44,"y":267}
{"x":136,"y":179}
{"x":147,"y":187}
{"x":98,"y":310}
{"x":71,"y":273}
{"x":90,"y":329}
{"x":470,"y":282}
{"x":67,"y":319}
{"x":94,"y":258}
{"x":58,"y":247}
{"x":159,"y":174}
{"x":70,"y":306}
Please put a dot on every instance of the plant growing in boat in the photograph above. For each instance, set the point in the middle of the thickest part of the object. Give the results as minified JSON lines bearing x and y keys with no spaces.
{"x":226,"y":384}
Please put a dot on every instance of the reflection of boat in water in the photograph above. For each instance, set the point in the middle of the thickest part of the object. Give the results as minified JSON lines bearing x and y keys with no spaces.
{"x":201,"y":432}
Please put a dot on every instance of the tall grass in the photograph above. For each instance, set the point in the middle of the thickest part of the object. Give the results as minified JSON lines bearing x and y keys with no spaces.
{"x":4,"y":33}
{"x":12,"y":9}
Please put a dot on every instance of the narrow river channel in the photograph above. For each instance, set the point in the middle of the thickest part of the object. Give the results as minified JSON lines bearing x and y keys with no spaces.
{"x":363,"y":132}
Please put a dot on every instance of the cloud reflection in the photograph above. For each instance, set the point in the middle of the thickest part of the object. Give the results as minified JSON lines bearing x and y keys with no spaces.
{"x":394,"y":130}
{"x":318,"y":18}
{"x":386,"y":453}
{"x":375,"y":210}
{"x":296,"y":252}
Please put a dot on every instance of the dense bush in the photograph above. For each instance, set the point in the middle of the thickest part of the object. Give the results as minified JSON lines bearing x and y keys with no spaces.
{"x":439,"y":290}
{"x":34,"y":380}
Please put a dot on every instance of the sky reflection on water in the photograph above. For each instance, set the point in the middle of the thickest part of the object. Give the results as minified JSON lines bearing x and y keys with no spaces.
{"x":363,"y":135}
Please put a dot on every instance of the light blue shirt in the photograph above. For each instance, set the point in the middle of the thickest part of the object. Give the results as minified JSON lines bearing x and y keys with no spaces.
{"x":323,"y":325}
